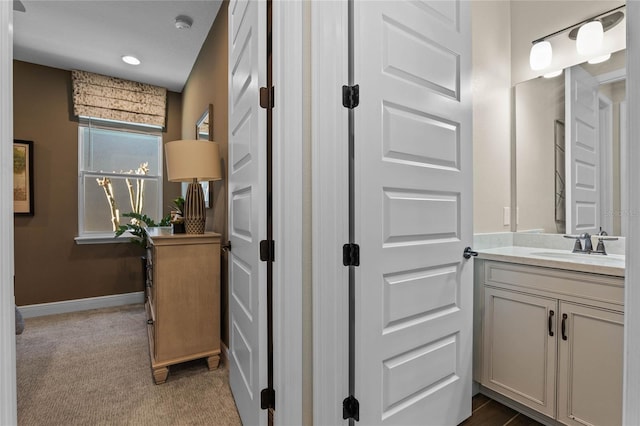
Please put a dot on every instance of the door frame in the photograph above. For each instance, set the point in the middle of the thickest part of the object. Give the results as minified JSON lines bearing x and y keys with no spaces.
{"x":605,"y":140}
{"x":624,"y":173}
{"x":330,"y":204}
{"x":8,"y":390}
{"x":288,"y":194}
{"x":631,"y":391}
{"x":611,"y":77}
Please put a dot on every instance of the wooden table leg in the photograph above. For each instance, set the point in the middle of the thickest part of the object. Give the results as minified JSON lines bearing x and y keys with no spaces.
{"x":213,"y":362}
{"x":160,"y":375}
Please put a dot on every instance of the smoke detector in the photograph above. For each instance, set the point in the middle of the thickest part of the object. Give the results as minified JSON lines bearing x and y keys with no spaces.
{"x":183,"y":22}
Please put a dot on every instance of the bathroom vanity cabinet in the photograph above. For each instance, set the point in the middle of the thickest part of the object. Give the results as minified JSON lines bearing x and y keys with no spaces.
{"x":552,"y":340}
{"x":183,"y":300}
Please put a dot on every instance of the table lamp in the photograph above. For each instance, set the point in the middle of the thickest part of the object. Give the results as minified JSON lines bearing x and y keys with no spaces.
{"x":192,"y":161}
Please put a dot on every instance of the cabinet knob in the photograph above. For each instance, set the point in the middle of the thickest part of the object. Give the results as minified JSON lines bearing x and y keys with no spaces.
{"x":564,"y":326}
{"x":551,"y":314}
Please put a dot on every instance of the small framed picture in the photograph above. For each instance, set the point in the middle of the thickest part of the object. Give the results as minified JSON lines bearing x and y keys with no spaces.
{"x":23,"y":177}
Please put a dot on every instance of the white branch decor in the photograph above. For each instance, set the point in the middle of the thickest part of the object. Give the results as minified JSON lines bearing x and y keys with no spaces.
{"x":136,"y":197}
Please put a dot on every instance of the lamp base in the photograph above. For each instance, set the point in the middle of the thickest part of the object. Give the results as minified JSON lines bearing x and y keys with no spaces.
{"x":194,"y":209}
{"x":194,"y":226}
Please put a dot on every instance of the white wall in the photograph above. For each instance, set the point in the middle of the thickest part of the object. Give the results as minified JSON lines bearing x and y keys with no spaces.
{"x":491,"y":85}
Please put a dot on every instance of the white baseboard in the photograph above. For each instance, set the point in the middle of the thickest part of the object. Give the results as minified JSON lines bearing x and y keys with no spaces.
{"x":41,"y":309}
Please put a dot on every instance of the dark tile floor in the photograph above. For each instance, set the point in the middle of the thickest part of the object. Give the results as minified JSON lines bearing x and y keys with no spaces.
{"x":487,"y":412}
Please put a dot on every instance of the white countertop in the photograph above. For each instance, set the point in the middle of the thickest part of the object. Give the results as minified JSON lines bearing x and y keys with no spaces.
{"x":611,"y":264}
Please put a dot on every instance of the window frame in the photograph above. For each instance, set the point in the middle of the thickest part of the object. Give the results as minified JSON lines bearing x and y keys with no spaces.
{"x":96,"y":237}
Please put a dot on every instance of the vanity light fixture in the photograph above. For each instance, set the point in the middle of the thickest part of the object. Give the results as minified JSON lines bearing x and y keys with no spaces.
{"x":589,"y":36}
{"x":131,"y":60}
{"x":540,"y":55}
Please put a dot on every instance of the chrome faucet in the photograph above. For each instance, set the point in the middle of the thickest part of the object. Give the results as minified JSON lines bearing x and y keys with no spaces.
{"x":602,"y":236}
{"x":583,"y":243}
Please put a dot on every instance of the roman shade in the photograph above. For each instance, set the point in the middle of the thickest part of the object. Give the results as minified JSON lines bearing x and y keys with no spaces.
{"x":112,"y":98}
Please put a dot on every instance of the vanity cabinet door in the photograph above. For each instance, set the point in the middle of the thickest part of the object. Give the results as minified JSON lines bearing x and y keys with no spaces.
{"x":590,"y":365}
{"x":520,"y":347}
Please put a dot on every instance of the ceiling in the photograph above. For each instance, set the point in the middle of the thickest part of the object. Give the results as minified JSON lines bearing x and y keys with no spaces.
{"x":93,"y":35}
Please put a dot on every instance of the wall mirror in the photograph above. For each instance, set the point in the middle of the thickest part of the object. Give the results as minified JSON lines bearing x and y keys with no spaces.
{"x":569,"y":141}
{"x":204,"y":125}
{"x":204,"y":131}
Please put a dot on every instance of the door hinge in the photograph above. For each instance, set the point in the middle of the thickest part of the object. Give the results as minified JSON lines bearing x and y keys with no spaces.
{"x":351,"y":254}
{"x":351,"y":408}
{"x":350,"y":96}
{"x":268,"y":251}
{"x":267,"y":97}
{"x":268,"y":399}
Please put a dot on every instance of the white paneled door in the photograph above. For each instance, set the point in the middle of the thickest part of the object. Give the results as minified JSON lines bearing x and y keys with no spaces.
{"x":247,"y":204}
{"x":582,"y":151}
{"x":413,"y":201}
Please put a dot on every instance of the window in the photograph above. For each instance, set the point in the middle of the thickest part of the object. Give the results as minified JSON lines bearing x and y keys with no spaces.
{"x":119,"y":171}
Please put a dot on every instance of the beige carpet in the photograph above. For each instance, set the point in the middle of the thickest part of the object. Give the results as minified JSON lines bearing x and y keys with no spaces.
{"x":92,"y":368}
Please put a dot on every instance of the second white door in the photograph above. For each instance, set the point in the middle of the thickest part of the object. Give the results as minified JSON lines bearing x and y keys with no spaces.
{"x":413,"y":201}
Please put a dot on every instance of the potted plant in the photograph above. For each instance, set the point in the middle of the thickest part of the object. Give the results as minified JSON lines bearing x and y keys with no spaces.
{"x":177,"y":216}
{"x":138,"y":227}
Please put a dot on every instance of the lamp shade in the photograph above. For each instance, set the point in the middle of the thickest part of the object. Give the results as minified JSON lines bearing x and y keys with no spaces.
{"x":590,"y":37}
{"x":190,"y":159}
{"x":540,"y":55}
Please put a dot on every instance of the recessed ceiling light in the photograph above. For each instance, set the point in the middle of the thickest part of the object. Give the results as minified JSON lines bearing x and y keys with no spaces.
{"x":131,"y":60}
{"x":183,"y":22}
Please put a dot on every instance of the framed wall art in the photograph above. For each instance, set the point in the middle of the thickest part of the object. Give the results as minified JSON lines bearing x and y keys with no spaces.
{"x":23,"y":177}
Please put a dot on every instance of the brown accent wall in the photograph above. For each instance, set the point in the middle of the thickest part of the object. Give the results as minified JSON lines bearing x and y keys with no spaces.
{"x":49,"y":265}
{"x":207,"y":84}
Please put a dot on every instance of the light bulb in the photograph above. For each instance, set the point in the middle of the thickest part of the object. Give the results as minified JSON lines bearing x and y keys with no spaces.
{"x":552,"y":74}
{"x":599,"y":59}
{"x":540,"y":55}
{"x":590,"y":37}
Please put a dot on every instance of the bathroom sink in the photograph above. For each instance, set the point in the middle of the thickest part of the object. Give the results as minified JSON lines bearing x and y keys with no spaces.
{"x":592,"y":259}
